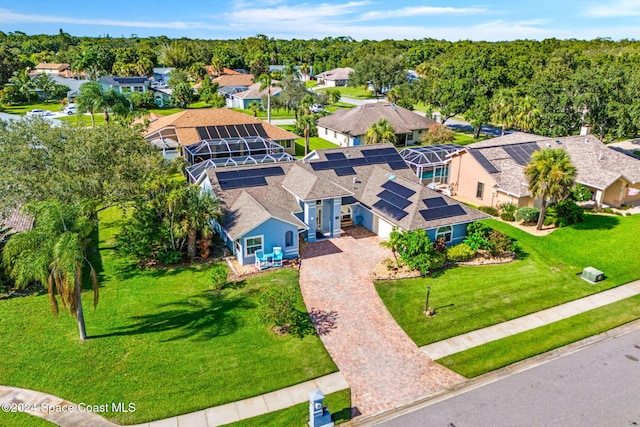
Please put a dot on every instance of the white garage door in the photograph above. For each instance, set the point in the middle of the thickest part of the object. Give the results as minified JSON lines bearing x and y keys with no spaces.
{"x":381,"y":227}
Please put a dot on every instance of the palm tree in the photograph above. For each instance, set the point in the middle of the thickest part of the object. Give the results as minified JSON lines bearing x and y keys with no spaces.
{"x":551,"y":176}
{"x":304,"y":70}
{"x":527,"y":114}
{"x":45,"y":83}
{"x":254,"y":106}
{"x":381,"y":131}
{"x":198,"y":209}
{"x":216,"y":66}
{"x":22,"y":82}
{"x":53,"y":254}
{"x":92,"y":98}
{"x":503,"y":108}
{"x":266,"y":83}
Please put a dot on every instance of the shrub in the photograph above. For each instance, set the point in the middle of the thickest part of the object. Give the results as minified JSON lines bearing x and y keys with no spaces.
{"x":488,"y":210}
{"x":460,"y":253}
{"x":477,"y":234}
{"x":568,"y":213}
{"x":580,"y":193}
{"x":528,"y":215}
{"x":169,"y":256}
{"x":508,"y":208}
{"x":500,"y":244}
{"x":506,"y":216}
{"x":550,"y":215}
{"x":276,"y":307}
{"x":437,"y":134}
{"x":219,"y":276}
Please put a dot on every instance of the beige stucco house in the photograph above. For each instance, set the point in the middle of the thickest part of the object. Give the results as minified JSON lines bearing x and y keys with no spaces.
{"x":491,"y":172}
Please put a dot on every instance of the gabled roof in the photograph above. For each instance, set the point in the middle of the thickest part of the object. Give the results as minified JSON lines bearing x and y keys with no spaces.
{"x":124,"y":81}
{"x":307,"y":185}
{"x":356,"y":121}
{"x":234,"y":80}
{"x":254,"y":92}
{"x":52,"y":66}
{"x":336,"y":74}
{"x":163,"y":70}
{"x":225,"y":70}
{"x":15,"y":222}
{"x":597,"y":165}
{"x":185,"y":124}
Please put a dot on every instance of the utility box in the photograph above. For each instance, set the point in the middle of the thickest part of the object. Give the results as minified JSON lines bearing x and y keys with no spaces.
{"x":592,"y":275}
{"x":319,"y":415}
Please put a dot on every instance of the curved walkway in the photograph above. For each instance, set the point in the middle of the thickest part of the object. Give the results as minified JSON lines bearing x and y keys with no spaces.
{"x":51,"y":408}
{"x":383,"y":367}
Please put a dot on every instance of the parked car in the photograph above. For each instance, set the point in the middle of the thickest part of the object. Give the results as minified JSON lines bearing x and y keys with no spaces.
{"x":38,"y":112}
{"x":69,"y":109}
{"x":316,"y":108}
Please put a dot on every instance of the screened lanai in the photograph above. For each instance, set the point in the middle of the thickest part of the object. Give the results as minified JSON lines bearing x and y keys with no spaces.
{"x":195,"y":171}
{"x":430,"y":162}
{"x":225,"y":148}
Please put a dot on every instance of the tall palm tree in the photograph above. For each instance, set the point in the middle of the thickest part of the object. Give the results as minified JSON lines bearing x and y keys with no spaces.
{"x":198,"y":209}
{"x":92,"y":98}
{"x":266,"y":82}
{"x":53,"y":253}
{"x":254,"y":106}
{"x":216,"y":66}
{"x":380,"y":131}
{"x":45,"y":83}
{"x":22,"y":82}
{"x":527,"y":113}
{"x":503,"y":109}
{"x":304,"y":70}
{"x":551,"y":176}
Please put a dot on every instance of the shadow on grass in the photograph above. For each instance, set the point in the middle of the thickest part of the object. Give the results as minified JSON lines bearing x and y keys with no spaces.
{"x":597,"y":222}
{"x":342,"y":415}
{"x":199,"y":317}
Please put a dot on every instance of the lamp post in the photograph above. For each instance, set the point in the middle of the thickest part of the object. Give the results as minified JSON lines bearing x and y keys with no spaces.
{"x":427,"y":312}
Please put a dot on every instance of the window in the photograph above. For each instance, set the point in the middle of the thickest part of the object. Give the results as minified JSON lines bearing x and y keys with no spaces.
{"x":138,"y":89}
{"x":125,"y":89}
{"x":480,"y":190}
{"x":288,"y":238}
{"x":326,"y":131}
{"x":444,"y":233}
{"x":252,"y":244}
{"x":287,"y":144}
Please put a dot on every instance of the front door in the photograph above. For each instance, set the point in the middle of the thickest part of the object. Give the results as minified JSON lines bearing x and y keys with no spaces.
{"x":319,"y":218}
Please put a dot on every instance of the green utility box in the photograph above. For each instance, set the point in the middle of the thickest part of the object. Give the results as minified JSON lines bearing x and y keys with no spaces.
{"x":592,"y":275}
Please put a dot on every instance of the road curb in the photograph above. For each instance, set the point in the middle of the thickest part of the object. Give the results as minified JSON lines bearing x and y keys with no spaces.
{"x":496,"y":375}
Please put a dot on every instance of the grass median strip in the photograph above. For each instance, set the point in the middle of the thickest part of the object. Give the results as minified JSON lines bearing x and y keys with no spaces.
{"x":497,"y":354}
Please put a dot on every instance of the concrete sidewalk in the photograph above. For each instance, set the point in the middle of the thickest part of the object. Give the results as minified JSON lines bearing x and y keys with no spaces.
{"x":254,"y":406}
{"x":472,"y":339}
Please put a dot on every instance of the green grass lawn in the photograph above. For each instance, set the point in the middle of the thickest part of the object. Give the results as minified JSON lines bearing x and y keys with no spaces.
{"x":503,"y":352}
{"x":464,"y":138}
{"x":470,"y":298}
{"x":162,"y":339}
{"x":276,"y":113}
{"x":85,"y":119}
{"x":22,"y":419}
{"x":315,"y":142}
{"x":351,"y":92}
{"x":22,"y":109}
{"x":339,"y":404}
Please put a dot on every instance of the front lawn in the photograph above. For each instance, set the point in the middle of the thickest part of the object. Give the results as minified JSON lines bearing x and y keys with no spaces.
{"x":161,"y":338}
{"x":276,"y":113}
{"x":315,"y":142}
{"x":351,"y":92}
{"x":85,"y":119}
{"x":22,"y":109}
{"x":463,"y":138}
{"x":470,"y":298}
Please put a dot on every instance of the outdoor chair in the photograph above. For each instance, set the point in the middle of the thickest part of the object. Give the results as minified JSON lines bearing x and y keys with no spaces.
{"x":277,"y":256}
{"x":262,"y":261}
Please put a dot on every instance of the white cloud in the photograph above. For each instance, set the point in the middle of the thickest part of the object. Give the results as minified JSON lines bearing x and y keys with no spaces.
{"x":304,"y":12}
{"x":619,"y":8}
{"x":419,"y":11}
{"x":8,"y":17}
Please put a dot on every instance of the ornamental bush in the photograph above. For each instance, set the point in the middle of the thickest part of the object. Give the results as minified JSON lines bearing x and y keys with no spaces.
{"x":488,"y":210}
{"x":460,"y":253}
{"x":568,"y":213}
{"x":528,"y":215}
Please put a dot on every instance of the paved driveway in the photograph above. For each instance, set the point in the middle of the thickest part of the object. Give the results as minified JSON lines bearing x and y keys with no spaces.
{"x":383,"y":367}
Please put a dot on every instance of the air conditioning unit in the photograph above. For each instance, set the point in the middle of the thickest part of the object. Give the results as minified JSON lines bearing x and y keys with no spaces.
{"x":592,"y":275}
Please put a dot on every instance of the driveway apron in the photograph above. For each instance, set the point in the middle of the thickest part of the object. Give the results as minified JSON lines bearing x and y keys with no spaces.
{"x":381,"y":364}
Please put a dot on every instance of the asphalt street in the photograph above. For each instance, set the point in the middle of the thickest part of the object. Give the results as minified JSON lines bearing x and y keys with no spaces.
{"x":597,"y":386}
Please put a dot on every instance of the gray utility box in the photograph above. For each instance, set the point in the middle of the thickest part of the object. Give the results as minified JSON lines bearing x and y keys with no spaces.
{"x":592,"y":275}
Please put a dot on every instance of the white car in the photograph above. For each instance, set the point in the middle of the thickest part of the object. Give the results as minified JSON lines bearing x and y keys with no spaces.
{"x":316,"y":108}
{"x":69,"y":109}
{"x":38,"y":112}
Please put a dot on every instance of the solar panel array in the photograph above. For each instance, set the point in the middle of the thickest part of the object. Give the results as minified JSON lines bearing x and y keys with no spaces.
{"x":232,"y":131}
{"x":393,"y":200}
{"x":434,"y":202}
{"x":480,"y":158}
{"x":343,"y":166}
{"x":521,"y":153}
{"x":442,"y":212}
{"x":244,"y":178}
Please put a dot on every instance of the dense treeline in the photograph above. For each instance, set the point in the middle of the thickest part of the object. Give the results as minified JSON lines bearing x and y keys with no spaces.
{"x":550,"y":87}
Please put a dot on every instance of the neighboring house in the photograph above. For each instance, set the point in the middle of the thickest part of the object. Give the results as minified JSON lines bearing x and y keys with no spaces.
{"x":162,"y":97}
{"x":348,"y":127}
{"x":193,"y":126}
{"x":491,"y":172}
{"x":14,"y":222}
{"x":162,"y":74}
{"x":241,"y":97}
{"x":52,"y":69}
{"x":267,"y":206}
{"x":125,"y":84}
{"x":72,"y":84}
{"x":225,"y":70}
{"x":335,"y":77}
{"x":224,"y":80}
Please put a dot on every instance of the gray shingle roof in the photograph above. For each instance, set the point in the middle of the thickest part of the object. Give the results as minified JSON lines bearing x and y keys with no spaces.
{"x":336,"y":74}
{"x":357,"y":120}
{"x":15,"y":222}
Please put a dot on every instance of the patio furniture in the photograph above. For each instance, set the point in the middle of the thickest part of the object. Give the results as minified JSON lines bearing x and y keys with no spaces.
{"x":277,"y":256}
{"x":262,"y":260}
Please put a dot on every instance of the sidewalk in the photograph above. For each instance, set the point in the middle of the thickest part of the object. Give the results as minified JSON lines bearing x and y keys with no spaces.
{"x":472,"y":339}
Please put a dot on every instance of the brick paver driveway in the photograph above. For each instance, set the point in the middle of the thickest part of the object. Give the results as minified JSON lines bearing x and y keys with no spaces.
{"x":383,"y":367}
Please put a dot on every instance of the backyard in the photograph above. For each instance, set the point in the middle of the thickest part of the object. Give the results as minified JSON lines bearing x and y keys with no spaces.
{"x":470,"y":298}
{"x":157,"y":336}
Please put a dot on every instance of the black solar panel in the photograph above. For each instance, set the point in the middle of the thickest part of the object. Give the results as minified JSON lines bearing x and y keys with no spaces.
{"x":213,"y":133}
{"x":376,"y":160}
{"x":227,"y":175}
{"x":371,"y":152}
{"x":260,"y":131}
{"x":442,"y":212}
{"x":224,"y":133}
{"x":344,"y":171}
{"x":255,"y":181}
{"x":335,"y":156}
{"x":391,"y":157}
{"x":247,"y":173}
{"x":233,"y":132}
{"x":387,"y":151}
{"x":394,"y":199}
{"x":321,"y":166}
{"x":434,"y":202}
{"x":271,"y":171}
{"x":202,"y":133}
{"x":340,"y":163}
{"x":390,"y":210}
{"x":358,"y":161}
{"x":521,"y":153}
{"x":400,"y":190}
{"x":480,"y":158}
{"x":231,"y":184}
{"x":398,"y":165}
{"x":379,"y":152}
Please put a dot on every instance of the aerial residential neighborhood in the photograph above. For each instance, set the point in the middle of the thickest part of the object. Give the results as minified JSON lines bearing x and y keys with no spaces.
{"x":394,"y":215}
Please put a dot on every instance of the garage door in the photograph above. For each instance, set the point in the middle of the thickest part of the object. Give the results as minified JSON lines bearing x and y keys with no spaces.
{"x":381,"y":227}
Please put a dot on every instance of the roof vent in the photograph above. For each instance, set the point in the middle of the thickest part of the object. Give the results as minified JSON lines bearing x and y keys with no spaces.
{"x":391,"y":177}
{"x":558,"y":142}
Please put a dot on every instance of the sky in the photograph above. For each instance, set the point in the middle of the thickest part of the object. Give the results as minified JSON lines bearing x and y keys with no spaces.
{"x":491,"y":20}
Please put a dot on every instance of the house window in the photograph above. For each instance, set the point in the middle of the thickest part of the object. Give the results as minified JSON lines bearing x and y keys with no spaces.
{"x":288,"y":238}
{"x":326,"y":131}
{"x":444,"y":233}
{"x":252,"y":244}
{"x":287,"y":143}
{"x":480,"y":190}
{"x":138,"y":89}
{"x":125,"y":89}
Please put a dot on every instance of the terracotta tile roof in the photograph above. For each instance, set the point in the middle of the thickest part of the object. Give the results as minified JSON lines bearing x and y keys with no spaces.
{"x":48,"y":66}
{"x":356,"y":121}
{"x":225,"y":70}
{"x":234,"y":80}
{"x":185,"y":123}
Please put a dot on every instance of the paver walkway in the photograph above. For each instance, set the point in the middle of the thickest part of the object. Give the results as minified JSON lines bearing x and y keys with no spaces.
{"x":492,"y":333}
{"x":383,"y":367}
